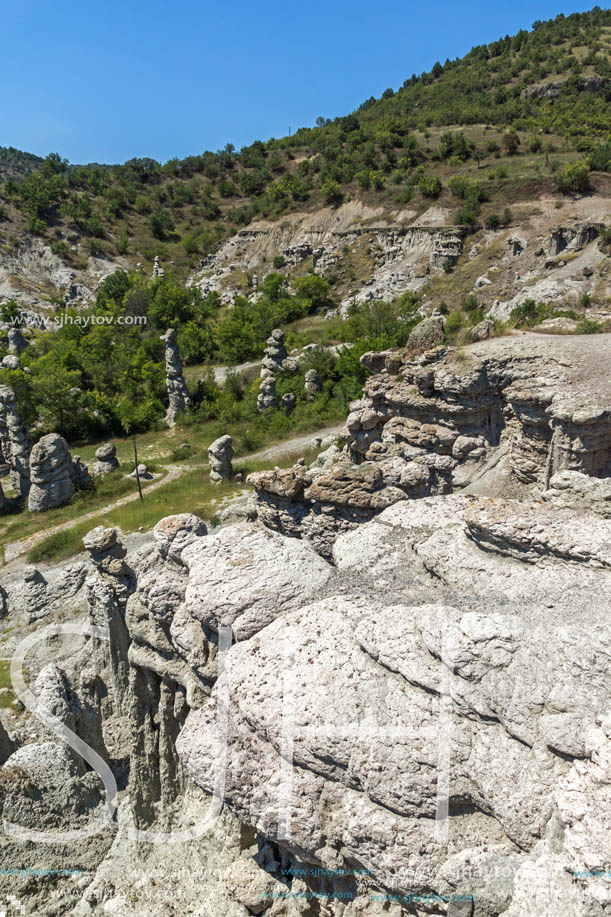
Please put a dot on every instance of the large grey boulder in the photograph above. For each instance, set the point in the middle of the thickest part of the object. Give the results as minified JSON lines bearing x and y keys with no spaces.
{"x":50,"y":474}
{"x":178,"y":393}
{"x":106,"y":460}
{"x":246,"y":577}
{"x":220,"y":454}
{"x":426,"y":335}
{"x":175,"y":533}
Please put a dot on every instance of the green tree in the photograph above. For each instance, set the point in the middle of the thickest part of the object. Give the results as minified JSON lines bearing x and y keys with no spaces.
{"x":332,"y":192}
{"x":161,"y":224}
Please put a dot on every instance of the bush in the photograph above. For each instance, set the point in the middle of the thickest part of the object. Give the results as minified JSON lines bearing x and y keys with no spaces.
{"x":453,"y":323}
{"x":589,"y":326}
{"x":573,"y":177}
{"x":332,"y":192}
{"x":470,"y":303}
{"x":161,"y":224}
{"x":279,"y":261}
{"x":459,"y":185}
{"x":430,"y":187}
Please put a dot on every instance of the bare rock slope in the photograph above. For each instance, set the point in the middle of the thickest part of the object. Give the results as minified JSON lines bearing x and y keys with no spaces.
{"x":403,"y":710}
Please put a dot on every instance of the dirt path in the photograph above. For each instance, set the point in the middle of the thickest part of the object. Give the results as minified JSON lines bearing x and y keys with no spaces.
{"x":271,"y":453}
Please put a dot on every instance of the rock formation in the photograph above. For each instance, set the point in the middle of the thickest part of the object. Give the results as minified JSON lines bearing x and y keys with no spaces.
{"x":15,"y":442}
{"x":158,"y":271}
{"x":106,"y":460}
{"x":81,"y":477}
{"x":427,"y":334}
{"x":178,"y":393}
{"x":423,"y":710}
{"x":312,"y":384}
{"x":513,"y":412}
{"x":141,"y":472}
{"x":16,"y":342}
{"x":275,"y":354}
{"x":220,"y":454}
{"x":288,"y":402}
{"x":267,"y":397}
{"x":51,"y":474}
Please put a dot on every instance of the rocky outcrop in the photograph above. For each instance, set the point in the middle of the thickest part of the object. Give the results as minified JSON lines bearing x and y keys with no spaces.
{"x":178,"y":393}
{"x":576,"y":490}
{"x":220,"y":454}
{"x":427,"y":334}
{"x":15,"y":442}
{"x":275,"y":354}
{"x":16,"y":342}
{"x":51,"y":474}
{"x":312,"y":384}
{"x":574,"y":237}
{"x":267,"y":397}
{"x":289,"y":400}
{"x":81,"y":477}
{"x":106,"y":460}
{"x":400,"y":256}
{"x":510,"y":413}
{"x":435,"y":667}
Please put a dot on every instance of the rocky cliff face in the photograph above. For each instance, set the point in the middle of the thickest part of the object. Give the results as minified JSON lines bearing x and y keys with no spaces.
{"x":422,"y":710}
{"x":550,"y":253}
{"x":501,"y":416}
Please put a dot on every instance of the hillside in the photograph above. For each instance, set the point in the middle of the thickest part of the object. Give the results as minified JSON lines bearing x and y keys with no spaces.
{"x":477,"y":187}
{"x":527,"y":104}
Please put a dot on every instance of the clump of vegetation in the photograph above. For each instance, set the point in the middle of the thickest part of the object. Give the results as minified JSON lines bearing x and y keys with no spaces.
{"x":530,"y":314}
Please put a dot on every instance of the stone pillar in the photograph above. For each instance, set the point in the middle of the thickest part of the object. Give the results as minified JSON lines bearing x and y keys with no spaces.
{"x":175,"y":381}
{"x":267,"y":394}
{"x":220,"y":453}
{"x":312,"y":384}
{"x":275,"y":354}
{"x":15,"y":442}
{"x":107,"y":461}
{"x":16,"y":342}
{"x":158,"y":271}
{"x":288,"y":402}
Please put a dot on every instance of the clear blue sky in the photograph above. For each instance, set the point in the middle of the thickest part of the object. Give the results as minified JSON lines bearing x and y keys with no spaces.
{"x":105,"y":81}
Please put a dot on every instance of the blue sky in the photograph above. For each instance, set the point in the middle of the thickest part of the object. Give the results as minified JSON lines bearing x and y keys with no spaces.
{"x":105,"y":81}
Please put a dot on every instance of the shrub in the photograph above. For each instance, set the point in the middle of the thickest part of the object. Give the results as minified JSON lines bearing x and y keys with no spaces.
{"x":332,"y":192}
{"x":573,"y":177}
{"x":279,"y":261}
{"x":453,"y":323}
{"x":470,"y":303}
{"x":459,"y":186}
{"x":430,"y":187}
{"x":161,"y":224}
{"x":589,"y":326}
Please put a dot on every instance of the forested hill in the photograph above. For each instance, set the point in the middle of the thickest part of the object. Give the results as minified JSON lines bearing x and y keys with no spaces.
{"x":544,"y":91}
{"x":15,"y":163}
